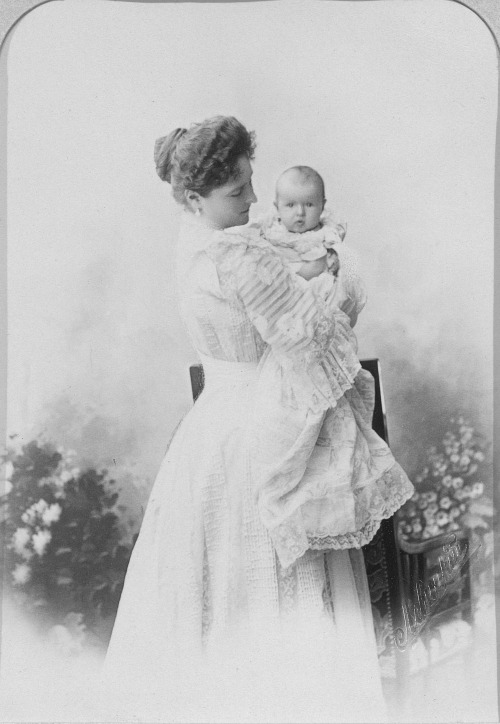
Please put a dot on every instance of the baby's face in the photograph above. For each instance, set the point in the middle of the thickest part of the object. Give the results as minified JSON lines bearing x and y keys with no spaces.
{"x":299,"y":204}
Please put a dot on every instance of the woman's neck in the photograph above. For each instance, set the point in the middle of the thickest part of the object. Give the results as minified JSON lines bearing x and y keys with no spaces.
{"x":201,"y":220}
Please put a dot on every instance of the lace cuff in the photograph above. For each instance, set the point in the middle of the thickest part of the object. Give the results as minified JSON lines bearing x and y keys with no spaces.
{"x":374,"y":503}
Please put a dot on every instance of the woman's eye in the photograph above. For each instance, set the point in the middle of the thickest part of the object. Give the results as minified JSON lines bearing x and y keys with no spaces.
{"x":238,"y":193}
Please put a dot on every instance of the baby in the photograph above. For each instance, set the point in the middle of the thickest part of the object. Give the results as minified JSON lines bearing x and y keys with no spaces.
{"x":326,"y":479}
{"x":308,"y":240}
{"x":298,"y":231}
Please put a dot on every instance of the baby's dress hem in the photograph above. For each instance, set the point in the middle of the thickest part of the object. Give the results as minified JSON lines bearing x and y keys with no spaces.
{"x":368,"y":531}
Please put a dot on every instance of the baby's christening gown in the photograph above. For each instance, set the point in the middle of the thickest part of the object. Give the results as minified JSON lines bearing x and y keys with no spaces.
{"x":246,"y":598}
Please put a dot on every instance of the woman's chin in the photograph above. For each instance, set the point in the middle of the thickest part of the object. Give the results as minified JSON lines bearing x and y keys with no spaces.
{"x":240,"y":221}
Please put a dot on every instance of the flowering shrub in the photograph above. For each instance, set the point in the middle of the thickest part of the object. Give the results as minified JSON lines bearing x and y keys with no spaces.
{"x":65,"y":550}
{"x":450,"y":492}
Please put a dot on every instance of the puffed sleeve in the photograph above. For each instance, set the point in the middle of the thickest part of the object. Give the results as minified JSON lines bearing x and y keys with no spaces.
{"x":307,"y":332}
{"x":309,"y":365}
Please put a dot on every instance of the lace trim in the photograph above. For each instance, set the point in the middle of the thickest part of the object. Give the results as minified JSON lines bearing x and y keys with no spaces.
{"x":287,"y":586}
{"x":398,"y":489}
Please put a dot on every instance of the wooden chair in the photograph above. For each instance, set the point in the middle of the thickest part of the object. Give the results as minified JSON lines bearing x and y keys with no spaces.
{"x":382,"y":557}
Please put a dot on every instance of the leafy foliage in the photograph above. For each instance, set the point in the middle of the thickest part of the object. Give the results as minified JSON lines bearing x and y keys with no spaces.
{"x":65,"y":550}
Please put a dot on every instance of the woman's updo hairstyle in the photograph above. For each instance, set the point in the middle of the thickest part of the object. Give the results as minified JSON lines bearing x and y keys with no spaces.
{"x":202,"y":157}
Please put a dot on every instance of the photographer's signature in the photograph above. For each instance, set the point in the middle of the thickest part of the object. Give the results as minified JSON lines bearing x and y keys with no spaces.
{"x":418,"y":613}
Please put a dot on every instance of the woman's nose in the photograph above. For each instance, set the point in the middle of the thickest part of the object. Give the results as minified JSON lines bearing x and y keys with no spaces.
{"x":252,"y":198}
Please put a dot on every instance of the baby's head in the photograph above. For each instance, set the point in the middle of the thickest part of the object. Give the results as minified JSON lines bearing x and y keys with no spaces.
{"x":300,"y":198}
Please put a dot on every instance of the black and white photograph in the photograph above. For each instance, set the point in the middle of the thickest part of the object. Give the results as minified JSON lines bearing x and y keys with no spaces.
{"x":248,"y":465}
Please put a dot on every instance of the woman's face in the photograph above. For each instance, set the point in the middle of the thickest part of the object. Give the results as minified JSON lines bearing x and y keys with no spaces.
{"x":229,"y":205}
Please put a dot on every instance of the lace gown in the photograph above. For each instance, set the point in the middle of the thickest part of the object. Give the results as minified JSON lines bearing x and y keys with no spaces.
{"x":242,"y":601}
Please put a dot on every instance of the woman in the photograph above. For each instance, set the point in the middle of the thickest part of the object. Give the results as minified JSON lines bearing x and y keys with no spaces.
{"x":211,"y":624}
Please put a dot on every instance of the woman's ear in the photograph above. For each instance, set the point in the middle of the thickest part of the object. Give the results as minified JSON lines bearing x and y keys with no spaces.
{"x":193,"y":201}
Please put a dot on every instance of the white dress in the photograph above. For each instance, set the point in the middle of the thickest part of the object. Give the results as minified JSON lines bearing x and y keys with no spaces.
{"x":220,"y":620}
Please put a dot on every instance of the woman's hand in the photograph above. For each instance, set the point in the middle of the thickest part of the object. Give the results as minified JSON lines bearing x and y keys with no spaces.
{"x":310,"y":269}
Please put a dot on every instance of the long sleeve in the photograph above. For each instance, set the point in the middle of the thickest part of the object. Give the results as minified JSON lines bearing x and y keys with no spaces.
{"x":308,"y":443}
{"x":307,"y":332}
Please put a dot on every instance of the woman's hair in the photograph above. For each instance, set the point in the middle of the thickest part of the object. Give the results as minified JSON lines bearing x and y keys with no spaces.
{"x":204,"y":156}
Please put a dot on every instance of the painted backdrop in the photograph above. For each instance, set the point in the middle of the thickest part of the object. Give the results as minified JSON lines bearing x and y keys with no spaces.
{"x":393,"y":102}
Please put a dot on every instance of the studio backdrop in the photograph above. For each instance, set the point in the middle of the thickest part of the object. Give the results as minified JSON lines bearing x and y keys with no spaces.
{"x":394,"y":103}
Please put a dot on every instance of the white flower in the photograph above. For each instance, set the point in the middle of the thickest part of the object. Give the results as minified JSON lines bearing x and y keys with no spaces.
{"x":35,"y":511}
{"x":21,"y":573}
{"x":65,"y":476}
{"x":75,"y":472}
{"x":41,"y":539}
{"x":445,"y":502}
{"x":7,"y":487}
{"x":29,"y":516}
{"x":9,"y":470}
{"x":20,"y":539}
{"x":478,"y":489}
{"x":464,"y":460}
{"x":479,"y":456}
{"x":442,"y":518}
{"x":52,"y":514}
{"x":454,"y":458}
{"x":40,"y":507}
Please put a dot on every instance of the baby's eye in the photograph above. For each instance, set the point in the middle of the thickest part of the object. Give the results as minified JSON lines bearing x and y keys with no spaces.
{"x":290,"y":204}
{"x":309,"y":204}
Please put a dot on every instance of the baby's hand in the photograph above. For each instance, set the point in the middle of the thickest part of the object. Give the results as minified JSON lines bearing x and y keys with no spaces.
{"x":310,"y":269}
{"x":333,"y":262}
